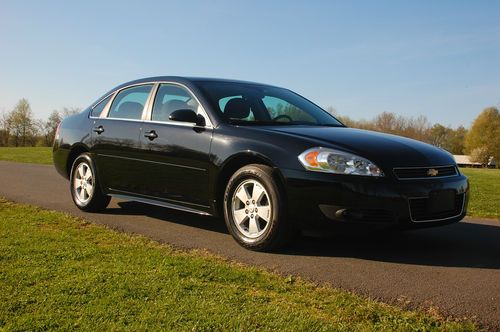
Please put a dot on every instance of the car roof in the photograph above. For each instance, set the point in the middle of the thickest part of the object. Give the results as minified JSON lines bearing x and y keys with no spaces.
{"x":186,"y":79}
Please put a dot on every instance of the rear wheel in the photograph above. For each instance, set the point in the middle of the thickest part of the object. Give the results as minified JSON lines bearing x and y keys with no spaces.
{"x":254,"y":209}
{"x":84,"y":185}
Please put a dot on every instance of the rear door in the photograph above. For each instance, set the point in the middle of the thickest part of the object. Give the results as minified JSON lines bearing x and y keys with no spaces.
{"x":116,"y":143}
{"x":176,"y":158}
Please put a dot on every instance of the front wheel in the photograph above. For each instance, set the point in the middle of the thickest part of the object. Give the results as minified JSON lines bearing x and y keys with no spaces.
{"x":254,"y":209}
{"x":84,"y":185}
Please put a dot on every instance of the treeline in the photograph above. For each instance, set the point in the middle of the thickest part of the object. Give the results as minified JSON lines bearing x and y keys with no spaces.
{"x":481,"y":141}
{"x":20,"y":128}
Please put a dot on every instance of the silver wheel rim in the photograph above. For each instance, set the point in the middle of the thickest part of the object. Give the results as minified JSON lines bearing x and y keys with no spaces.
{"x":251,"y":208}
{"x":83,"y":183}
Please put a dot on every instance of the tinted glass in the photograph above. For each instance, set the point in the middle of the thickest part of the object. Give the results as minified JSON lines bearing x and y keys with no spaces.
{"x":170,"y":98}
{"x":283,"y":111}
{"x":97,"y":110}
{"x":223,"y":102}
{"x":244,"y":103}
{"x":130,"y":102}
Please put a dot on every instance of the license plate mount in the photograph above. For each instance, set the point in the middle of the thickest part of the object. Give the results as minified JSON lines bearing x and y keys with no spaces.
{"x":441,"y":201}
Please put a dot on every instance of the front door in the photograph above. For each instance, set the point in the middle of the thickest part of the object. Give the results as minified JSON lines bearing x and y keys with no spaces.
{"x":176,"y":154}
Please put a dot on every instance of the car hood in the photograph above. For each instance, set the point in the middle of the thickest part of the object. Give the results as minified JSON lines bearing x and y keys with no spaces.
{"x":383,"y":149}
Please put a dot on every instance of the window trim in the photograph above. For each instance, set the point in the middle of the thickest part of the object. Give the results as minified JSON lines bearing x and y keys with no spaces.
{"x":148,"y":107}
{"x":105,"y":112}
{"x":203,"y":112}
{"x":105,"y":109}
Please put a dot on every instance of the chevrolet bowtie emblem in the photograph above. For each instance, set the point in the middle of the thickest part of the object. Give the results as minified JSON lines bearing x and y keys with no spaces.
{"x":432,"y":172}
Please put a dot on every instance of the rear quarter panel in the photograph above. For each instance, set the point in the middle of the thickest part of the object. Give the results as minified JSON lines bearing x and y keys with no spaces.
{"x":74,"y":131}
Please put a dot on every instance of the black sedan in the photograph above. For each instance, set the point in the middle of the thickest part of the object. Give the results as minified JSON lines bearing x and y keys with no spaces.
{"x":268,"y":160}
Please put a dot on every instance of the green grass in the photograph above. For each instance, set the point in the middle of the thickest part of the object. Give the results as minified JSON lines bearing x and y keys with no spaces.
{"x":37,"y":155}
{"x":485,"y":192}
{"x":485,"y":183}
{"x":59,"y":272}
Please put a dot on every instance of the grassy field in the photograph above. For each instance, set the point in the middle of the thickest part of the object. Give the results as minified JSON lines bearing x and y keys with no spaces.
{"x":37,"y":155}
{"x":59,"y":272}
{"x":485,"y":183}
{"x":485,"y":192}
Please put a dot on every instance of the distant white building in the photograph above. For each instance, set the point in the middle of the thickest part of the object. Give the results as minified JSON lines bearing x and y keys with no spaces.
{"x":464,"y":161}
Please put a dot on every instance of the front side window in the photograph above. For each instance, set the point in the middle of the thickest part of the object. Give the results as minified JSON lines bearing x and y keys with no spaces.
{"x":170,"y":98}
{"x":97,"y":110}
{"x":129,"y":103}
{"x":246,"y":103}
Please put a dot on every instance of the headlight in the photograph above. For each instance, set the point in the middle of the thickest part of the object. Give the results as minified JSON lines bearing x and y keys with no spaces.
{"x":338,"y":162}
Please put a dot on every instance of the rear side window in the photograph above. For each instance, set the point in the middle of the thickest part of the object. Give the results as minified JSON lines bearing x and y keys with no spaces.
{"x":97,"y":110}
{"x":129,"y":103}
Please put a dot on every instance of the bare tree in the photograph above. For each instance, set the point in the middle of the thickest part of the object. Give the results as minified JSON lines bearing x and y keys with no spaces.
{"x":68,"y":111}
{"x":5,"y":128}
{"x":50,"y":127}
{"x":447,"y":138}
{"x":22,"y":124}
{"x":330,"y":109}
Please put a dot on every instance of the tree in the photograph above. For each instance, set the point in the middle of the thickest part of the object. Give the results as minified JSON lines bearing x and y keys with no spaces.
{"x":416,"y":128}
{"x":485,"y":133}
{"x":50,"y":127}
{"x":388,"y":123}
{"x":438,"y":135}
{"x":22,"y":124}
{"x":456,"y":141}
{"x":330,"y":109}
{"x":69,"y":111}
{"x":480,"y":155}
{"x":448,"y":138}
{"x":5,"y":128}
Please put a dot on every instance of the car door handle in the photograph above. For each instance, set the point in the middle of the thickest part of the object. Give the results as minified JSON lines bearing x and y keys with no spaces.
{"x":151,"y":135}
{"x":99,"y":130}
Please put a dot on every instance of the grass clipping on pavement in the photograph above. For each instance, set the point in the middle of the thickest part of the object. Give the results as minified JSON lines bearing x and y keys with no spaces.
{"x":60,"y":272}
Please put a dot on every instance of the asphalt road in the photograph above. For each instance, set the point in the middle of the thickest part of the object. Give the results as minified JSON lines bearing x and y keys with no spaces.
{"x":455,"y":268}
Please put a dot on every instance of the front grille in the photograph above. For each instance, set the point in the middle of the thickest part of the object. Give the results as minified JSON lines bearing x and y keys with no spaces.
{"x":420,"y":209}
{"x":424,"y":172}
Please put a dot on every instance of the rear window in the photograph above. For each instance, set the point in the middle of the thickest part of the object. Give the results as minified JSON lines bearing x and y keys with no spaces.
{"x":97,"y":110}
{"x":129,"y":103}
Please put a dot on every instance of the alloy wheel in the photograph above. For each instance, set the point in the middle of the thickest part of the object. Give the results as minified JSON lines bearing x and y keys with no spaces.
{"x":83,"y":183}
{"x":251,"y":208}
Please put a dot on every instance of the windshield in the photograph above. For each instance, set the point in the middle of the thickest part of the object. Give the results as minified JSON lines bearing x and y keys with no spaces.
{"x":246,"y":103}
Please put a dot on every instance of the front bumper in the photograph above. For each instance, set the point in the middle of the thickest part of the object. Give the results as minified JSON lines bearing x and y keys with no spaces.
{"x":318,"y":199}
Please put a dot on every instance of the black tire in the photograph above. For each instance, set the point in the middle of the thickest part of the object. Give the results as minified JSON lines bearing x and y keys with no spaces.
{"x":97,"y":200}
{"x":277,"y":232}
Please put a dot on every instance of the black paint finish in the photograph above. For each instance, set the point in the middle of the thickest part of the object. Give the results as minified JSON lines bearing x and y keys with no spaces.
{"x":187,"y":165}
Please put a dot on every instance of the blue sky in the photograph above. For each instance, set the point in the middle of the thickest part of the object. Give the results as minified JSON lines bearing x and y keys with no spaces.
{"x":436,"y":58}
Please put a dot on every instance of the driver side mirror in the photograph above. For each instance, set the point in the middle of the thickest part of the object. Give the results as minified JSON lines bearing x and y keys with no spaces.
{"x":187,"y":115}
